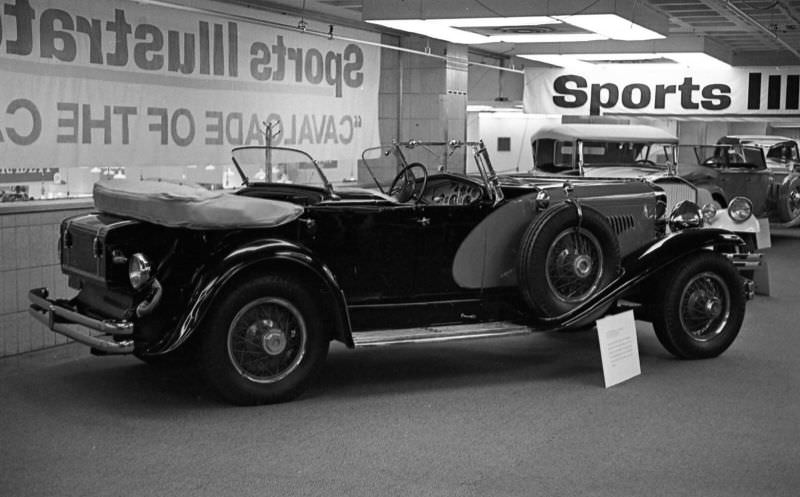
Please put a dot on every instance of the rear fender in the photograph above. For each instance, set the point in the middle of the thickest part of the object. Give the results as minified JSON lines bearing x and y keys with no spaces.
{"x":257,"y":257}
{"x":648,"y":261}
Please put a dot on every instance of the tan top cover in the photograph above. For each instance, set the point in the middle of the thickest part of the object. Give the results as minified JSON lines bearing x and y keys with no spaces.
{"x":189,"y":206}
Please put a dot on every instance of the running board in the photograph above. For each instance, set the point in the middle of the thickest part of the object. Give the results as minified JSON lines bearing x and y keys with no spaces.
{"x":444,"y":333}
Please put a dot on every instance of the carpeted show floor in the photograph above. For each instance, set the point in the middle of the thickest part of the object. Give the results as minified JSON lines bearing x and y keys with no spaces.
{"x":524,"y":416}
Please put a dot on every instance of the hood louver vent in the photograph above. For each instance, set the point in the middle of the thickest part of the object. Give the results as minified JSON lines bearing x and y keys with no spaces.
{"x":620,"y":224}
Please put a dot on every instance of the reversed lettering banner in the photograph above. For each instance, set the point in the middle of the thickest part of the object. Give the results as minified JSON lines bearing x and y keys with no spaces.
{"x":119,"y":83}
{"x":671,"y":90}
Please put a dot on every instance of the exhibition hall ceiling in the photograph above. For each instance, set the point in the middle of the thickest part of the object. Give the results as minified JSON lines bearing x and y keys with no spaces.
{"x":740,"y":32}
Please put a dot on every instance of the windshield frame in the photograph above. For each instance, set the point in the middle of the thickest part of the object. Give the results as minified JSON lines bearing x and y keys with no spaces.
{"x":268,"y":170}
{"x":648,"y":145}
{"x":396,"y":149}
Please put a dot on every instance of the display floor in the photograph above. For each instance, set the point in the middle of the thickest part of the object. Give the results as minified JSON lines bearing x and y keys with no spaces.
{"x":525,"y":416}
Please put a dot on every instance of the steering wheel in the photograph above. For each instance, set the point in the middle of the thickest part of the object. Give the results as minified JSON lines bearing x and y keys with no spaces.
{"x":405,"y":186}
{"x":646,"y":162}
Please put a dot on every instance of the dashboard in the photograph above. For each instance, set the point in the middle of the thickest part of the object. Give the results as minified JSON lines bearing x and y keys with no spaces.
{"x":451,"y":190}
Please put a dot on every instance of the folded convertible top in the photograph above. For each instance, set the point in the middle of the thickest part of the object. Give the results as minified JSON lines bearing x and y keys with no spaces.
{"x":189,"y":206}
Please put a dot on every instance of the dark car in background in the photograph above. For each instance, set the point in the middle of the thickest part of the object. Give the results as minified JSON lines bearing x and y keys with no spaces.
{"x":256,"y":283}
{"x":782,"y":159}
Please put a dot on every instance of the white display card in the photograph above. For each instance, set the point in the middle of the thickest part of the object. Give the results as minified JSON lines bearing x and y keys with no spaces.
{"x":619,"y":349}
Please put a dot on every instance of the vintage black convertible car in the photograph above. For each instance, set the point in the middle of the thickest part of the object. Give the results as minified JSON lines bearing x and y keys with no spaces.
{"x":257,"y":283}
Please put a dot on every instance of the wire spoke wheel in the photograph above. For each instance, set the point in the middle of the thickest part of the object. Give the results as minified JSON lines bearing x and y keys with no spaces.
{"x":793,"y":202}
{"x":566,"y":256}
{"x":699,"y":306}
{"x":267,"y":340}
{"x":705,"y":306}
{"x":789,"y":200}
{"x":574,"y":265}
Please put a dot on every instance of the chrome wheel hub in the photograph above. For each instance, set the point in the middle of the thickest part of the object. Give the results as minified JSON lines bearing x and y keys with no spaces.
{"x":267,"y":340}
{"x":713,"y":307}
{"x":274,"y":341}
{"x":573,"y":268}
{"x":794,"y":199}
{"x":583,"y":266}
{"x":705,"y":306}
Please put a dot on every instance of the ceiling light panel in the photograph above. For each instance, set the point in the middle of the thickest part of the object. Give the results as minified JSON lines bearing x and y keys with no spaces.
{"x":688,"y":59}
{"x":468,"y":31}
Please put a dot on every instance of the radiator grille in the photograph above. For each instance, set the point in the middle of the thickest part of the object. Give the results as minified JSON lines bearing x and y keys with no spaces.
{"x":677,"y":191}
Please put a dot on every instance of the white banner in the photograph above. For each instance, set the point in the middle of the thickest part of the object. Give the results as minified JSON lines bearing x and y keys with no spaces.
{"x":671,"y":90}
{"x":120,"y":83}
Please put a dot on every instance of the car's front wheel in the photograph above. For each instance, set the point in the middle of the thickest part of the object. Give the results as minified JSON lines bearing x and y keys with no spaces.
{"x":264,"y":342}
{"x":700,"y":307}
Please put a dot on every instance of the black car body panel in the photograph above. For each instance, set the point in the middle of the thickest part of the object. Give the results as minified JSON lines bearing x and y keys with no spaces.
{"x":361,"y":262}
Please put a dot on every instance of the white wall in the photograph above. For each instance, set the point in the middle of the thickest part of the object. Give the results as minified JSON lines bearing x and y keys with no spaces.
{"x":489,"y":126}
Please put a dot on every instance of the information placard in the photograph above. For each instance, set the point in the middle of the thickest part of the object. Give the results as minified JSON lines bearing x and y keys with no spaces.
{"x":619,"y":349}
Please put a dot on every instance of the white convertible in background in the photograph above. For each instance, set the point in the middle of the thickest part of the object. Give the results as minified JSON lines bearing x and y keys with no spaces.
{"x":648,"y":153}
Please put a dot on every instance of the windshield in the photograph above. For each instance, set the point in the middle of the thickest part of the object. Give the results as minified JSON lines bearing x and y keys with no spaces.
{"x":278,"y":165}
{"x":606,"y":154}
{"x":745,"y":156}
{"x":385,"y":162}
{"x":786,"y":151}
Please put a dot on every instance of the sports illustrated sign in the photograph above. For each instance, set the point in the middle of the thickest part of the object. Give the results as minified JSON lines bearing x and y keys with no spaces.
{"x":728,"y":91}
{"x":119,"y":83}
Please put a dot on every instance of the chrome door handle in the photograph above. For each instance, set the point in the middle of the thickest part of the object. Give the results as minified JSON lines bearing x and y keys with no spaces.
{"x":424,"y":221}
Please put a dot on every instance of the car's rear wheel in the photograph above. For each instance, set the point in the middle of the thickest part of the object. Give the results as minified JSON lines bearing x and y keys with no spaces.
{"x":700,"y":307}
{"x":264,"y":342}
{"x":789,"y":200}
{"x":566,"y":258}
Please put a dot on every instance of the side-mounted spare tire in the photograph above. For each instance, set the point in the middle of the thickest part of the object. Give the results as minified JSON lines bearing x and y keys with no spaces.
{"x":789,"y":199}
{"x":567,"y":255}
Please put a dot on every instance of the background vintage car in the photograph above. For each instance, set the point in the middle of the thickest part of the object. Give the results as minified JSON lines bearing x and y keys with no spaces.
{"x":730,"y":170}
{"x":783,"y":161}
{"x":636,"y":151}
{"x":255,"y":284}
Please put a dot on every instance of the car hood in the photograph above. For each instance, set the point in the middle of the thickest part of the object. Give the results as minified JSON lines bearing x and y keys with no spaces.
{"x":584,"y":187}
{"x":623,"y":172}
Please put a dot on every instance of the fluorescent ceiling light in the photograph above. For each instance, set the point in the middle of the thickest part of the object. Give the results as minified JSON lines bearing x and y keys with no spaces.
{"x":488,"y":22}
{"x":595,"y":26}
{"x":434,"y":29}
{"x":546,"y":37}
{"x":494,"y":108}
{"x":611,"y":26}
{"x":661,"y":59}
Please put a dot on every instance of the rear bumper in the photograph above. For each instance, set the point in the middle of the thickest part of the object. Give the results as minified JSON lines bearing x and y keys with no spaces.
{"x":109,"y":336}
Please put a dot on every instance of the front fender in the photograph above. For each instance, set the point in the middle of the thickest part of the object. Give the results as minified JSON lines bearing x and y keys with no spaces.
{"x":254,"y":256}
{"x":724,"y":221}
{"x":648,"y":261}
{"x":676,"y":246}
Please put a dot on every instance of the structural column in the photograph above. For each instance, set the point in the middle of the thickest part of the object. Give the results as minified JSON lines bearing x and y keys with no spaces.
{"x":424,"y":97}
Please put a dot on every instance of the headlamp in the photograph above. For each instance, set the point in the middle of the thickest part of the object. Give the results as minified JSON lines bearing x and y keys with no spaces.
{"x":740,"y":209}
{"x":686,"y":214}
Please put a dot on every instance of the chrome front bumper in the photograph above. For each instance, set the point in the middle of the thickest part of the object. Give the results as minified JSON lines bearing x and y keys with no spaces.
{"x":79,"y":327}
{"x":745,"y":261}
